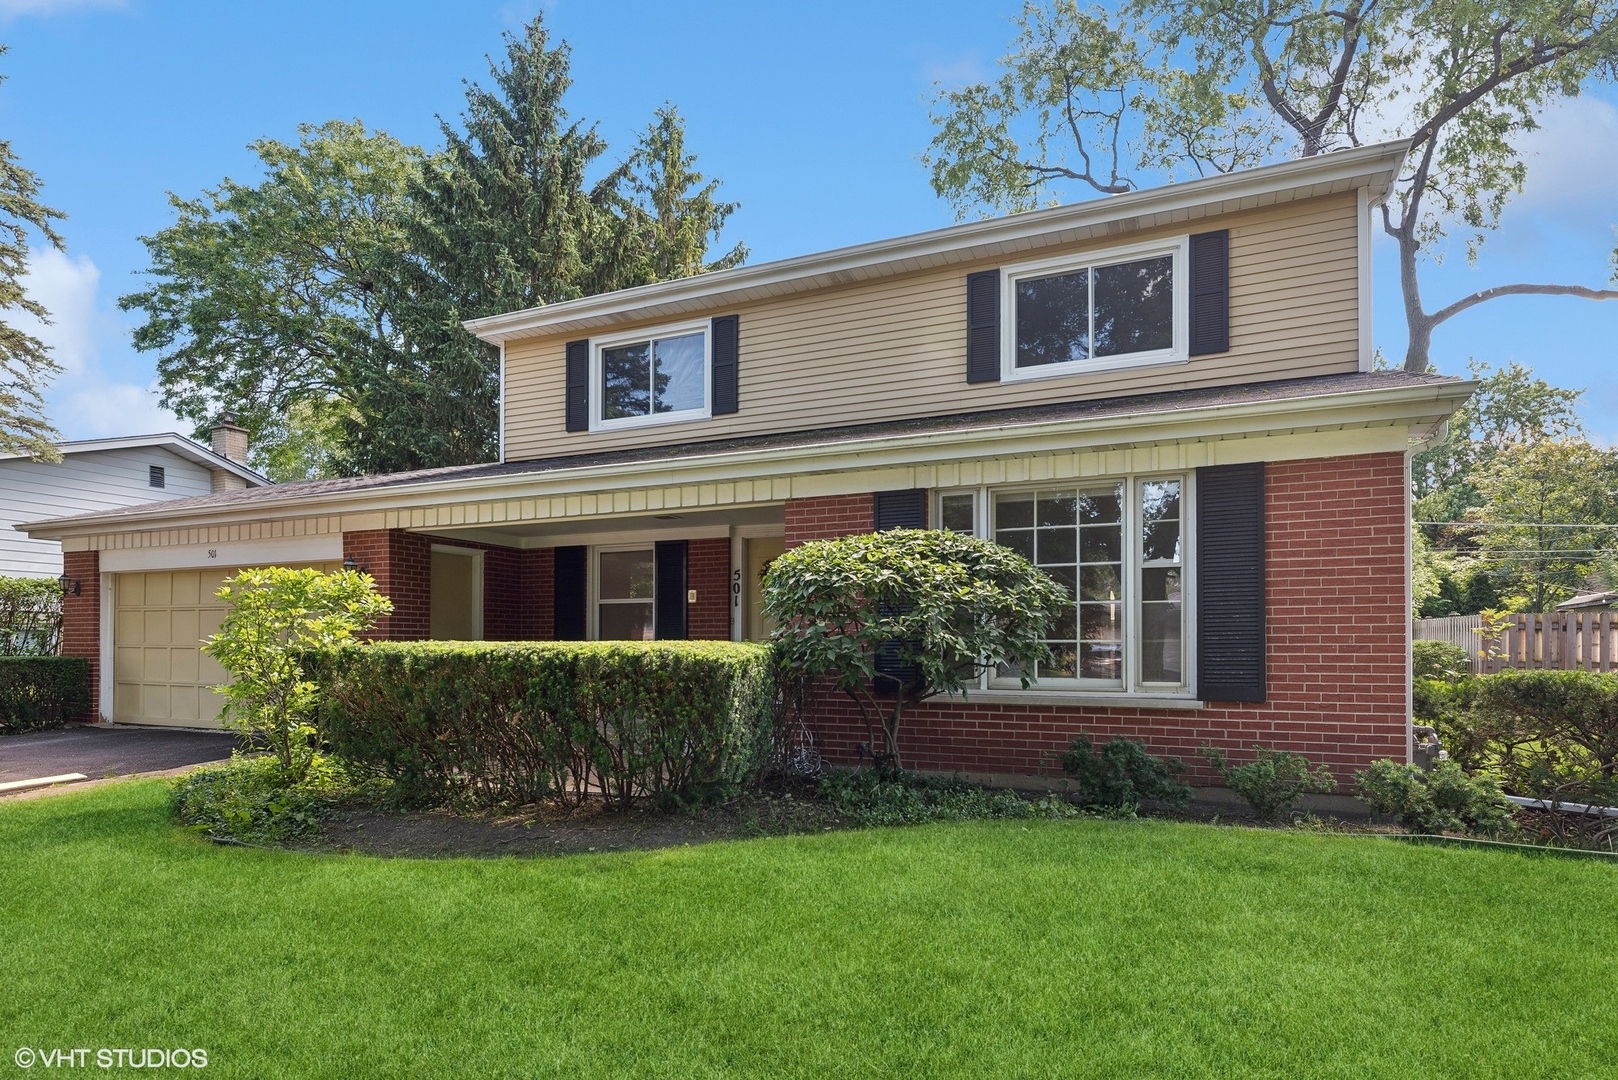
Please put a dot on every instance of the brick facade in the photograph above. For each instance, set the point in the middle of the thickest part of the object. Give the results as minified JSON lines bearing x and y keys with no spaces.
{"x":1337,"y":629}
{"x":707,"y":570}
{"x":81,"y":621}
{"x":827,"y":516}
{"x":518,"y":585}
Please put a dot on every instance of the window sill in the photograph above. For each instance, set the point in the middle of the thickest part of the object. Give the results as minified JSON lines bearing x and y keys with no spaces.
{"x":1011,"y":373}
{"x":602,"y":427}
{"x":1113,"y":698}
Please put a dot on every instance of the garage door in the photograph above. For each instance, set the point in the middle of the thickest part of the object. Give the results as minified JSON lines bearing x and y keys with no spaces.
{"x":160,"y":673}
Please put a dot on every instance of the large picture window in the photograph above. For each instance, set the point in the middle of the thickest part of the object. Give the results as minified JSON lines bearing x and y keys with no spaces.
{"x":1114,"y":309}
{"x":651,"y":379}
{"x":1118,"y":549}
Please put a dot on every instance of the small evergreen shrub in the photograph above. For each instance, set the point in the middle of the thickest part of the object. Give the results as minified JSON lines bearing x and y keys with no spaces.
{"x":1438,"y":660}
{"x":1123,"y":774}
{"x":42,"y":691}
{"x":887,"y":796}
{"x":1443,"y":800}
{"x":1273,"y":780}
{"x":257,"y":801}
{"x":493,"y":723}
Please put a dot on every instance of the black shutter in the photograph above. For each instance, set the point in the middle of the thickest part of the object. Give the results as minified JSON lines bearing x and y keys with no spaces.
{"x":724,"y":349}
{"x":578,"y":386}
{"x":571,"y":572}
{"x":1210,"y":292}
{"x":906,"y":509}
{"x":983,"y":327}
{"x":668,"y":590}
{"x":1230,"y":583}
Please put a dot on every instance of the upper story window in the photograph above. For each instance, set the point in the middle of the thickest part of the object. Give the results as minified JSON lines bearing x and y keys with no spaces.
{"x":650,"y":378}
{"x":1119,"y":308}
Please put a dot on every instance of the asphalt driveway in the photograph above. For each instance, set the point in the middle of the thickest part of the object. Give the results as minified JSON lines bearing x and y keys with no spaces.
{"x":117,"y":751}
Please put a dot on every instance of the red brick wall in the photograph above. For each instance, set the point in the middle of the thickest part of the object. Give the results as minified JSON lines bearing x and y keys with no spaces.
{"x":827,"y":515}
{"x":708,"y":571}
{"x":542,"y":576}
{"x":1337,"y":629}
{"x":401,"y":563}
{"x":516,"y":584}
{"x":81,"y":620}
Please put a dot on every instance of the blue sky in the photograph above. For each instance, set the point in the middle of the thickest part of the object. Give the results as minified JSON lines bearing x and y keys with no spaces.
{"x":812,"y":114}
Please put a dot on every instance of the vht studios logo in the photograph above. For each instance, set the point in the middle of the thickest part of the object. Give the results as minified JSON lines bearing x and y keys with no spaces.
{"x":82,"y":1057}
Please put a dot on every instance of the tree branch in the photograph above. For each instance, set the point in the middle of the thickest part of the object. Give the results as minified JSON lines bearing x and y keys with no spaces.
{"x":1483,"y":295}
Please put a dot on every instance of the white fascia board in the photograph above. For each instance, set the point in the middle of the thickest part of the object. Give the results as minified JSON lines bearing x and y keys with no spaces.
{"x":1372,"y":168}
{"x":1409,"y":406}
{"x":172,"y":441}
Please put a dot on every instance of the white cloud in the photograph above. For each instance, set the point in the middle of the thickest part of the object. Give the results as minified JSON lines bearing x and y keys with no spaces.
{"x":1571,"y":161}
{"x":10,"y":9}
{"x":86,"y":400}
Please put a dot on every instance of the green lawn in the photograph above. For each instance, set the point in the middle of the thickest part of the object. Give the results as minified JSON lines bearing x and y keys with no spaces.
{"x":1005,"y":949}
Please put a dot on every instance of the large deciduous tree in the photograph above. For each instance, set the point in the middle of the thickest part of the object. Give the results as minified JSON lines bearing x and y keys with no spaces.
{"x":26,"y":365}
{"x":324,"y":306}
{"x":1091,"y":99}
{"x":272,"y":301}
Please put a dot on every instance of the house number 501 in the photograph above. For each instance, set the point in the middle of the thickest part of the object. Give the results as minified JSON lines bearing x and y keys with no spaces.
{"x":736,"y":588}
{"x":213,"y":553}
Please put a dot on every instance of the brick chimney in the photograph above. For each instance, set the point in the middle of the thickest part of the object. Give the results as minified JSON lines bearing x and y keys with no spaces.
{"x":229,"y":441}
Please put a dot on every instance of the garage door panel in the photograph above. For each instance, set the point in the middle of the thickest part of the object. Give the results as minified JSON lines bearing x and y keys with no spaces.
{"x":187,"y":589}
{"x":129,"y":627}
{"x":126,"y":664}
{"x":160,"y":589}
{"x":184,"y":665}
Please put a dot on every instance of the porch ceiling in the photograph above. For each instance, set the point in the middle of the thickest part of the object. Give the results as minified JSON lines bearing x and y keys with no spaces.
{"x":684,"y":524}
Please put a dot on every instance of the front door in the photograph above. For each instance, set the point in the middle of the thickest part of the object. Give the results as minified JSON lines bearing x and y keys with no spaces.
{"x":761,"y":551}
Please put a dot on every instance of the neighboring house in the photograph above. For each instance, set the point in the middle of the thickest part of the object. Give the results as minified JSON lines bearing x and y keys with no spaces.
{"x":1592,"y":601}
{"x":96,"y":475}
{"x":1165,"y":398}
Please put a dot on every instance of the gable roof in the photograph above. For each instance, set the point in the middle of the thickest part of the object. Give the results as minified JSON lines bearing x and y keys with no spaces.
{"x":174,"y":442}
{"x":1290,"y":403}
{"x":1372,"y":168}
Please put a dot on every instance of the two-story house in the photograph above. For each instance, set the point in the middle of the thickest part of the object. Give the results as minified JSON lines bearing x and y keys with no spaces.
{"x":1164,"y":398}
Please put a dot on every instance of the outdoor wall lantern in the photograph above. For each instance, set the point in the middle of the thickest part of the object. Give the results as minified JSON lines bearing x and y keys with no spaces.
{"x":350,"y":565}
{"x":69,"y":586}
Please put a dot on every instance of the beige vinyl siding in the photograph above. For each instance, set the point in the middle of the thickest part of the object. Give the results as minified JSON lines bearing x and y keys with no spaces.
{"x":896,"y":348}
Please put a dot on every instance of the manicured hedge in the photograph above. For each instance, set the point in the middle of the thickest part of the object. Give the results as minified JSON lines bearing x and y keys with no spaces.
{"x":42,"y":691}
{"x":518,"y":722}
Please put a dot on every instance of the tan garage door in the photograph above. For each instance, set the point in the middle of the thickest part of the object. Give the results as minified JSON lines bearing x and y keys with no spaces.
{"x":160,"y":673}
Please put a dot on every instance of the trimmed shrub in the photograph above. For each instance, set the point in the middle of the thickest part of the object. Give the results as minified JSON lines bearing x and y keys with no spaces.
{"x":1438,"y":660}
{"x":30,"y":616}
{"x":1123,"y":774}
{"x":1273,"y":780}
{"x":42,"y":691}
{"x":1445,"y":799}
{"x":276,"y":616}
{"x":517,"y":722}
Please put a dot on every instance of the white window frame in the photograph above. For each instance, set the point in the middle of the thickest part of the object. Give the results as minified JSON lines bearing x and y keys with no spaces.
{"x":1179,"y":247}
{"x":1130,"y":685}
{"x":598,"y":393}
{"x":593,"y":590}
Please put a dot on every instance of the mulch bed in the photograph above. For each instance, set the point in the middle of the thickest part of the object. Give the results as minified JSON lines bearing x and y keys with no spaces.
{"x":546,"y":830}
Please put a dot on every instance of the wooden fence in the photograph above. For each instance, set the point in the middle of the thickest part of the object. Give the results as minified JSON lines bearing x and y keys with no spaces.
{"x":1561,"y":640}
